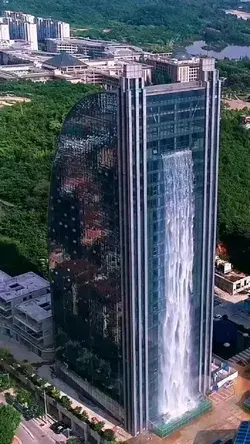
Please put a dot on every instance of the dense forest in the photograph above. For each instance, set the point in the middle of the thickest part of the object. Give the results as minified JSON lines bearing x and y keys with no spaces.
{"x":147,"y":21}
{"x":234,"y":189}
{"x":28,"y":133}
{"x":234,"y":186}
{"x":236,"y":75}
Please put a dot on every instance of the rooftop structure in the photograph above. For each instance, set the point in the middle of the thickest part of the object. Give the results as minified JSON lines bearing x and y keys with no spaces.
{"x":229,"y":280}
{"x":22,"y":286}
{"x":64,"y":61}
{"x":25,"y":312}
{"x":24,"y":72}
{"x":38,"y":309}
{"x":180,"y":66}
{"x":95,"y":48}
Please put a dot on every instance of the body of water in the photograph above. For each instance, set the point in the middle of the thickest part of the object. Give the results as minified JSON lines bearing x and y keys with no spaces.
{"x":230,"y":52}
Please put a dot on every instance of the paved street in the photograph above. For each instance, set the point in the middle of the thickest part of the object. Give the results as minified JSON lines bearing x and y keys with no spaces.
{"x":31,"y":432}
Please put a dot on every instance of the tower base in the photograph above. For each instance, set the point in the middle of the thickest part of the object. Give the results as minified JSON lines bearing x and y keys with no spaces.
{"x":164,"y":428}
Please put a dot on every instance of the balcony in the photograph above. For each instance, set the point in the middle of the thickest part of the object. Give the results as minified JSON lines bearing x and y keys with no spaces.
{"x":34,"y":326}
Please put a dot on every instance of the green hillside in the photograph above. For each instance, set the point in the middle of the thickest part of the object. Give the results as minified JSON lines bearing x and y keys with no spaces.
{"x":145,"y":21}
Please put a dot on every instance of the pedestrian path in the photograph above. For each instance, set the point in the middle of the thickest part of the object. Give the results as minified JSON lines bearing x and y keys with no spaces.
{"x":243,"y":356}
{"x":222,"y":395}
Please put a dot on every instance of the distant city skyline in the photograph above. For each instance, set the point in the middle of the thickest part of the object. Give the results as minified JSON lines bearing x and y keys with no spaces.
{"x":16,"y":25}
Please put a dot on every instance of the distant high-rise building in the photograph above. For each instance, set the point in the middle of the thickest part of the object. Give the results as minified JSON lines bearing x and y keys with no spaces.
{"x":132,"y":230}
{"x":28,"y":27}
{"x":17,"y":15}
{"x":22,"y":27}
{"x":30,"y":35}
{"x":21,"y":30}
{"x":4,"y":32}
{"x":52,"y":29}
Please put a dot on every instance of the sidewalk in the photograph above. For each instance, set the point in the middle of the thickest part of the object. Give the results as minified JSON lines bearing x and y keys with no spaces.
{"x":18,"y":350}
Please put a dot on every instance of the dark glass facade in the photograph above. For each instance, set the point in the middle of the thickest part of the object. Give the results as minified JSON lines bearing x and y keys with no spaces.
{"x":106,"y":218}
{"x":85,"y":245}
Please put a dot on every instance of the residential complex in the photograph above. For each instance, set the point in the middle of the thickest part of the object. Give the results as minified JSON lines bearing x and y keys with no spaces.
{"x":48,"y":28}
{"x":132,"y":229}
{"x":19,"y":26}
{"x":25,"y":312}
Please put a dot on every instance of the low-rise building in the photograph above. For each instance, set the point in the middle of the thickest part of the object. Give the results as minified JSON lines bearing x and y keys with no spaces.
{"x":25,"y":312}
{"x":230,"y":280}
{"x":34,"y":319}
{"x":95,"y":49}
{"x":221,"y":373}
{"x":180,"y":66}
{"x":64,"y":62}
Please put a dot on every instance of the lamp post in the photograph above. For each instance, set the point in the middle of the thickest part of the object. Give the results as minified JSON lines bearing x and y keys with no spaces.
{"x":45,"y":405}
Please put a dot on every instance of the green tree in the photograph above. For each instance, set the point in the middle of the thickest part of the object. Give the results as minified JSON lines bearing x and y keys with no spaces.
{"x":24,"y":397}
{"x":5,"y":382}
{"x":28,"y":135}
{"x":9,"y":422}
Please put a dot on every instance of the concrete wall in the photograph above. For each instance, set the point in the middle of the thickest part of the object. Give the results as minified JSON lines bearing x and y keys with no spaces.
{"x":232,"y":287}
{"x":223,"y":283}
{"x":10,"y":331}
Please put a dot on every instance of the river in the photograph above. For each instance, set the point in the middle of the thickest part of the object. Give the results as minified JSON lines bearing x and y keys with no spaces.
{"x":231,"y":51}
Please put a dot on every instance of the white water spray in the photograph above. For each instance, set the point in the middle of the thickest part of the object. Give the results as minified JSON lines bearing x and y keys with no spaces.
{"x":176,"y":396}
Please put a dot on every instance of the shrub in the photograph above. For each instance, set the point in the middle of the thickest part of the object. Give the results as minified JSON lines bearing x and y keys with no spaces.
{"x":108,"y":434}
{"x":97,"y":425}
{"x":65,"y":402}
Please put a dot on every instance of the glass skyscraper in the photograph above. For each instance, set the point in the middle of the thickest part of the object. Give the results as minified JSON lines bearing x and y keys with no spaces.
{"x":132,"y":230}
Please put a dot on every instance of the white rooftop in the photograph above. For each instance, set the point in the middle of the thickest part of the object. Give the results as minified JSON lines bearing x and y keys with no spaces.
{"x":38,"y":309}
{"x":21,"y":285}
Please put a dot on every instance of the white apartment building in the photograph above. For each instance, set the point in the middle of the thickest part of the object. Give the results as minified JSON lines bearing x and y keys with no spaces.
{"x":63,"y":30}
{"x":52,"y":29}
{"x":34,"y":320}
{"x":4,"y":32}
{"x":23,"y":30}
{"x":30,"y":35}
{"x":25,"y":312}
{"x":17,"y":15}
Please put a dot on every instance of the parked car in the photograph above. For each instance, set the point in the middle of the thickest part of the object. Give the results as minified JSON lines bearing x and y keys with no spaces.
{"x":56,"y":425}
{"x":217,"y":317}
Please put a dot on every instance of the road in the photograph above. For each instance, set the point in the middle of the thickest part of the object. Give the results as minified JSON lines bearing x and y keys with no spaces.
{"x":30,"y":432}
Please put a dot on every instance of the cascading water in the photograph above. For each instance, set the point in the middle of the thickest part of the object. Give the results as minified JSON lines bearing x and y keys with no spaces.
{"x":176,"y":396}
